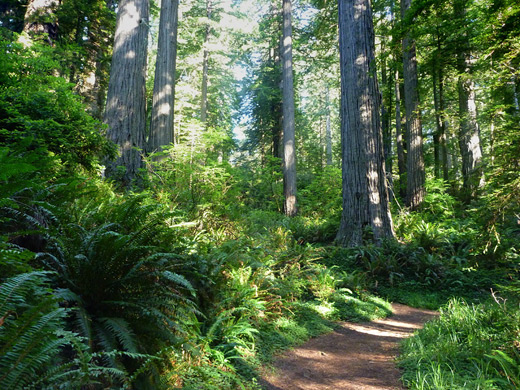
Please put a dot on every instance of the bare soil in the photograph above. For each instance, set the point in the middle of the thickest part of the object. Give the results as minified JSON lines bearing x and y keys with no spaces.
{"x":356,"y":356}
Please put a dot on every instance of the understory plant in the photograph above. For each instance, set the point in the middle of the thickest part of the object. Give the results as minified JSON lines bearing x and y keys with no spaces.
{"x":33,"y":338}
{"x":470,"y":346}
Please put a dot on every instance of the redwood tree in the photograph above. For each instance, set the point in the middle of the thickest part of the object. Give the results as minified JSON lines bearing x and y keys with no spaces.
{"x":289,"y":166}
{"x":366,"y":212}
{"x":40,"y":19}
{"x":125,"y":112}
{"x":161,"y":127}
{"x":469,"y":131}
{"x":205,"y":64}
{"x":415,"y":177}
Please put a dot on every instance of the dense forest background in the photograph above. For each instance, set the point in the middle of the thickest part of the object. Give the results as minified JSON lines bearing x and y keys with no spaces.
{"x":188,"y":188}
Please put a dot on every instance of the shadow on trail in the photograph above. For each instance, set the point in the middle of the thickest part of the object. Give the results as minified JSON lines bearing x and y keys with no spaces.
{"x":356,"y":356}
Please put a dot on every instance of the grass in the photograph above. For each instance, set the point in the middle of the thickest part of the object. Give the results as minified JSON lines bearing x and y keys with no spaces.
{"x":470,"y":346}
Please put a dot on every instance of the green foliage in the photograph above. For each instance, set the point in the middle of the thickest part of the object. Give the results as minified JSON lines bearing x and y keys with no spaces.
{"x":469,"y":346}
{"x":262,"y":184}
{"x":117,"y":283}
{"x":258,"y":295}
{"x":322,"y":195}
{"x":29,"y":317}
{"x":32,"y":340}
{"x":193,"y":369}
{"x":198,"y":279}
{"x":187,"y":178}
{"x":13,"y":260}
{"x":286,"y":332}
{"x":40,"y":113}
{"x":126,"y":294}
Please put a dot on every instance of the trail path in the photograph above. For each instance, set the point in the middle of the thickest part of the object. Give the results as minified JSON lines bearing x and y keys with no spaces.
{"x":356,"y":356}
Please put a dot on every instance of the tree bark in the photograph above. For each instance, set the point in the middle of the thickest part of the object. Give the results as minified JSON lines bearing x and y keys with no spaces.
{"x":40,"y":20}
{"x":289,"y":163}
{"x":415,"y":175}
{"x":469,"y":138}
{"x":386,"y":115}
{"x":399,"y":139}
{"x":366,"y":212}
{"x":439,"y":137}
{"x":469,"y":131}
{"x":205,"y":66}
{"x":94,"y":86}
{"x":437,"y":159}
{"x":161,"y":126}
{"x":125,"y":112}
{"x":328,"y":131}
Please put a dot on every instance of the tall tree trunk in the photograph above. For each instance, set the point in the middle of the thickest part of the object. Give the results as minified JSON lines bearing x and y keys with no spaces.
{"x":275,"y":103}
{"x":415,"y":175}
{"x":125,"y":112}
{"x":439,"y":137}
{"x":469,"y":138}
{"x":40,"y":20}
{"x":289,"y":166}
{"x":437,"y":155}
{"x":161,"y":126}
{"x":205,"y":66}
{"x":469,"y":132}
{"x":328,"y":131}
{"x":94,"y":86}
{"x":444,"y":128}
{"x":366,"y":212}
{"x":399,"y":119}
{"x":386,"y":116}
{"x":399,"y":138}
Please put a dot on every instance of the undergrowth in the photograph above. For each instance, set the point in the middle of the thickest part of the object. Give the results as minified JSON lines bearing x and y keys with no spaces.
{"x":196,"y":279}
{"x":470,"y":346}
{"x":143,"y":295}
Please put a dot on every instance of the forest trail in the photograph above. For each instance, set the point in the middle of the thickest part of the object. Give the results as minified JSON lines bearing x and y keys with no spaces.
{"x":356,"y":356}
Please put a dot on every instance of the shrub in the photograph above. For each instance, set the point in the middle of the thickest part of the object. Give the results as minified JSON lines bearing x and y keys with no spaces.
{"x":39,"y":113}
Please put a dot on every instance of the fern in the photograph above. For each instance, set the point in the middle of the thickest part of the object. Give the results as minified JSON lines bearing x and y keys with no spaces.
{"x":13,"y":260}
{"x":31,"y":339}
{"x":14,"y":291}
{"x":84,"y":369}
{"x":122,"y":332}
{"x":124,"y":293}
{"x":31,"y":317}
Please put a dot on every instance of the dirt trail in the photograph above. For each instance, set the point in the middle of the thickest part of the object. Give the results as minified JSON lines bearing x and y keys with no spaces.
{"x":356,"y":356}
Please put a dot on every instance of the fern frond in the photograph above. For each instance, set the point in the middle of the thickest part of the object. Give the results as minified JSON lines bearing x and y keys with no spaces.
{"x":179,"y":280}
{"x":121,"y":330}
{"x":13,"y":291}
{"x":28,"y":342}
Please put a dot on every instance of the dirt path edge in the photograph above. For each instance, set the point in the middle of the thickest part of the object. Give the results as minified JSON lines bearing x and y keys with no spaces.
{"x":355,"y":356}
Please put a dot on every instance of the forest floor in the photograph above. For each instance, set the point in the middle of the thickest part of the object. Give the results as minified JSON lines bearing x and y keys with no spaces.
{"x":356,"y":356}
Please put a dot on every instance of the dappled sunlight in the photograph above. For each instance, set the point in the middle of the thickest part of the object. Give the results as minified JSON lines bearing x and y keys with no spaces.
{"x":361,"y":60}
{"x":400,"y":324}
{"x":371,"y":330}
{"x":164,"y":108}
{"x":354,"y":356}
{"x":360,"y":9}
{"x":191,"y":199}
